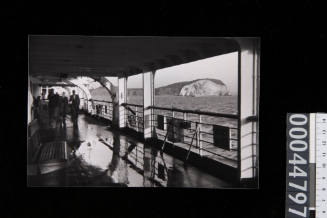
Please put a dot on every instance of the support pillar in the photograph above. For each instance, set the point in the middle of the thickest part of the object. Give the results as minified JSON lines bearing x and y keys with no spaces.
{"x":46,"y":92}
{"x":148,"y":98}
{"x":122,"y":92}
{"x":137,"y":119}
{"x":249,"y":56}
{"x":29,"y":102}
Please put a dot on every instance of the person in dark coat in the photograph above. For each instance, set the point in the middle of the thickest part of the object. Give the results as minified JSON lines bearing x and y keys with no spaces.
{"x":75,"y":101}
{"x":57,"y":110}
{"x":64,"y":108}
{"x":51,"y":105}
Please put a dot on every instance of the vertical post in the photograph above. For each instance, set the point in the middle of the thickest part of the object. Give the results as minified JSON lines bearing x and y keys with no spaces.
{"x":102,"y":110}
{"x":256,"y":89}
{"x":239,"y":113}
{"x":165,"y":122}
{"x":173,"y":126}
{"x":90,"y":107}
{"x":46,"y":92}
{"x":111,"y":110}
{"x":122,"y":98}
{"x":148,"y":101}
{"x":248,"y":132}
{"x":200,"y":135}
{"x":136,"y":119}
{"x":30,"y":102}
{"x":185,"y":119}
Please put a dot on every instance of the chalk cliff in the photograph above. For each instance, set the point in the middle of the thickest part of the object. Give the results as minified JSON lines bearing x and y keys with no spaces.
{"x":204,"y":87}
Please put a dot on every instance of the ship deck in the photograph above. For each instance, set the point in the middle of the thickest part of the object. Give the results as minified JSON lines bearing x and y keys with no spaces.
{"x":98,"y":155}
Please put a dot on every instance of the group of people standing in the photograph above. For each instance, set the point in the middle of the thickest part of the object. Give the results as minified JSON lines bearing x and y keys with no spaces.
{"x":58,"y":107}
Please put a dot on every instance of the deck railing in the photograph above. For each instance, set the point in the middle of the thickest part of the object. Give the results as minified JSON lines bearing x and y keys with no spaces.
{"x":101,"y":108}
{"x":213,"y":135}
{"x":134,"y":116}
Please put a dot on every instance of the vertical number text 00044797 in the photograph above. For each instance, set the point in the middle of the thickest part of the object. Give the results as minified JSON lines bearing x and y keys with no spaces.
{"x":298,"y":165}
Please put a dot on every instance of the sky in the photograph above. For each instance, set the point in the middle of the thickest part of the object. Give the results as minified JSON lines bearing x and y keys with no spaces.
{"x":223,"y":67}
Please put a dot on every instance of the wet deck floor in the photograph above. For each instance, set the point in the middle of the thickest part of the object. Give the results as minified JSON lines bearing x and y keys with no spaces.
{"x":101,"y":156}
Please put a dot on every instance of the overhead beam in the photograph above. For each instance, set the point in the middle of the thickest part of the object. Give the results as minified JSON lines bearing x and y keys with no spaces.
{"x":162,"y":63}
{"x":89,"y":54}
{"x":174,"y":59}
{"x":191,"y":55}
{"x":132,"y":70}
{"x":150,"y":66}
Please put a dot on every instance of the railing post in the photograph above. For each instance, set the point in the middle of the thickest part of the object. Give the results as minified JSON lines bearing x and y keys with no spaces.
{"x":47,"y":92}
{"x":200,"y":135}
{"x":122,"y":98}
{"x":185,"y":119}
{"x":89,"y":106}
{"x":136,"y":119}
{"x":173,"y":127}
{"x":110,"y":111}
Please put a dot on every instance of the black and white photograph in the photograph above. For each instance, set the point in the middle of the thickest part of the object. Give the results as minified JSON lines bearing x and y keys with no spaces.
{"x":143,"y":111}
{"x":163,"y":109}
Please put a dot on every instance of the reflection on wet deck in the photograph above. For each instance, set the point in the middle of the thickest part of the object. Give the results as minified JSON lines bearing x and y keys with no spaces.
{"x":100,"y":156}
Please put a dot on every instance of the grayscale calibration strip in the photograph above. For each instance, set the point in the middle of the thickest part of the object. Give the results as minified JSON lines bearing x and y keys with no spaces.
{"x":306,"y":182}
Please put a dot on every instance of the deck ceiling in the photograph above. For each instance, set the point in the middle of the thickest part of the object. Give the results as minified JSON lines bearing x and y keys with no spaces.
{"x":67,"y":56}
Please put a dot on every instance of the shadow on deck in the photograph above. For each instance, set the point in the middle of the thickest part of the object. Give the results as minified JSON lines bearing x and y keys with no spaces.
{"x":94,"y":154}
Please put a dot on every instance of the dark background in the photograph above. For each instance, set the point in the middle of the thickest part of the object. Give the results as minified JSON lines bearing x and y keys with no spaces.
{"x":292,"y":80}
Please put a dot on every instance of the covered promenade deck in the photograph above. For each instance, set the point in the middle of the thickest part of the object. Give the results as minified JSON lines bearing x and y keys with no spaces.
{"x":128,"y":163}
{"x":211,"y":150}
